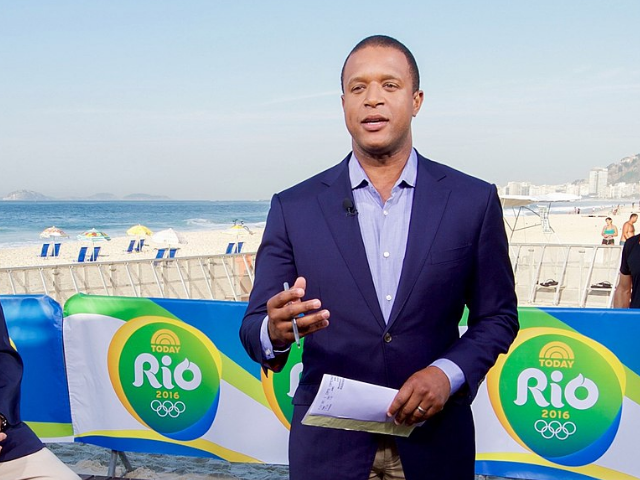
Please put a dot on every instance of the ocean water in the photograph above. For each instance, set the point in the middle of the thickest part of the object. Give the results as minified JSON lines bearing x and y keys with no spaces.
{"x":587,"y":206}
{"x":22,"y":222}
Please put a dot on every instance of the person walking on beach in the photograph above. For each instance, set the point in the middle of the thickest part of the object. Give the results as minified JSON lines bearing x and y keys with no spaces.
{"x":628,"y":229}
{"x":382,"y":269}
{"x":22,"y":454}
{"x":609,"y":232}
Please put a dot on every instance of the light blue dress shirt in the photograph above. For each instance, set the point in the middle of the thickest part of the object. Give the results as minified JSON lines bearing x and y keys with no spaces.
{"x":384,"y":227}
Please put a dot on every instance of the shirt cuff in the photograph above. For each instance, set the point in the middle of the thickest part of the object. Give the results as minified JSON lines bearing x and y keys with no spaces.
{"x":267,"y":347}
{"x":452,"y":371}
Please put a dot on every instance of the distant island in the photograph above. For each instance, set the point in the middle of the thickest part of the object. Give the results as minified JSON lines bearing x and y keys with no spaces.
{"x":31,"y":196}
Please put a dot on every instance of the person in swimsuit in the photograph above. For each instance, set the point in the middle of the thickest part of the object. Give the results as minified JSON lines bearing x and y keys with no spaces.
{"x":628,"y":229}
{"x":609,"y":232}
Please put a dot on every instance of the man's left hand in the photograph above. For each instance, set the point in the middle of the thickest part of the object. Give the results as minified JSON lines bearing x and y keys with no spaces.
{"x":428,"y":389}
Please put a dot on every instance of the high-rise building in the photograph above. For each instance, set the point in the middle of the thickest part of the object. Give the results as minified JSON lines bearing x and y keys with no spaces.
{"x":598,"y":178}
{"x":518,"y":188}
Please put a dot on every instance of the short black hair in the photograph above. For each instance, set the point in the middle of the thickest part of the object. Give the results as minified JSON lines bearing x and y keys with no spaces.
{"x":388,"y":42}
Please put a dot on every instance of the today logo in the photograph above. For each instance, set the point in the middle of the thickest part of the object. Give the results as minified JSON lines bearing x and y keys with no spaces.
{"x":167,"y":375}
{"x":558,"y":394}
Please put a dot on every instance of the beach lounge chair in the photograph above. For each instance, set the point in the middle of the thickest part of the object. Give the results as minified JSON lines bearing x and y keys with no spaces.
{"x":230,"y":248}
{"x":239,"y":247}
{"x":94,"y":255}
{"x":56,"y":250}
{"x":140,"y":245}
{"x":160,"y":253}
{"x":172,"y":252}
{"x":82,"y":253}
{"x":130,"y":247}
{"x":45,"y":250}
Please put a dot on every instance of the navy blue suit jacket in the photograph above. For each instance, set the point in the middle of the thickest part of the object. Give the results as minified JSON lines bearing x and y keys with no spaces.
{"x":20,"y":440}
{"x":457,"y":255}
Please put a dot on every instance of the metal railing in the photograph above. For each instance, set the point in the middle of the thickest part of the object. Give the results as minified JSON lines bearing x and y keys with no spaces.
{"x":215,"y":277}
{"x":565,"y":275}
{"x":546,"y":275}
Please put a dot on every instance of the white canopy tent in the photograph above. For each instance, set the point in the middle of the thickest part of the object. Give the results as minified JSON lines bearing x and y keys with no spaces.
{"x":519,"y":202}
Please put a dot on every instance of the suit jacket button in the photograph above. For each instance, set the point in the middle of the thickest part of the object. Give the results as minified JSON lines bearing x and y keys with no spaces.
{"x":387,"y":337}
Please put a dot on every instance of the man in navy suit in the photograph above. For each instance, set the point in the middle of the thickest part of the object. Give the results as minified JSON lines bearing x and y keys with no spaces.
{"x":22,"y":454}
{"x":383,"y":266}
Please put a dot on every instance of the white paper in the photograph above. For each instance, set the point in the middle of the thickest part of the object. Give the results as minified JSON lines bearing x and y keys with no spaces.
{"x":353,"y":405}
{"x":344,"y":398}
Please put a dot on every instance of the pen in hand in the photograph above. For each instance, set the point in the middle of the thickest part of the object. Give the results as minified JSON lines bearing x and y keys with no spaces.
{"x":296,"y":333}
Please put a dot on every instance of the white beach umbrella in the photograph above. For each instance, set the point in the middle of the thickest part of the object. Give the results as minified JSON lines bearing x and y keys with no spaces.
{"x":53,"y":232}
{"x":169,"y":236}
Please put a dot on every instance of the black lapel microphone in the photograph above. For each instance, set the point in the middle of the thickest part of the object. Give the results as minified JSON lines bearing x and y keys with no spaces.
{"x":349,"y":207}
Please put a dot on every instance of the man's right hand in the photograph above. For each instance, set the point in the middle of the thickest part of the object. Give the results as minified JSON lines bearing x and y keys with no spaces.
{"x":3,"y":437}
{"x":284,"y":306}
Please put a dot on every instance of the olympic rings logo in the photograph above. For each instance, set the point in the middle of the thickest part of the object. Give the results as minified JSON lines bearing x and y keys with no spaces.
{"x":561,"y":431}
{"x":168,"y":408}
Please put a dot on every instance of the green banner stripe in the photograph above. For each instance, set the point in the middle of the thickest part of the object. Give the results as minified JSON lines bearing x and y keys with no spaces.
{"x":51,"y":430}
{"x":113,"y":307}
{"x":633,"y":385}
{"x":528,"y":317}
{"x":235,"y":375}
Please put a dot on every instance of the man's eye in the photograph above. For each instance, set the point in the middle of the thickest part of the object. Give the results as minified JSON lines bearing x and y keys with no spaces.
{"x":390,"y":86}
{"x":357,"y":88}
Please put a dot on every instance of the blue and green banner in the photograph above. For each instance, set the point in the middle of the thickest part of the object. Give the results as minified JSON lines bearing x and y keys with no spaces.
{"x":35,"y":329}
{"x":170,"y":376}
{"x":564,"y":403}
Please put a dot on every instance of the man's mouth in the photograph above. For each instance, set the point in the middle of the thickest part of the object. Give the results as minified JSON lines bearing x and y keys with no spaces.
{"x":374,"y":122}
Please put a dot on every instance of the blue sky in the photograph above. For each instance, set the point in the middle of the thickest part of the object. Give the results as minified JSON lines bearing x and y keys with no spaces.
{"x":238,"y":100}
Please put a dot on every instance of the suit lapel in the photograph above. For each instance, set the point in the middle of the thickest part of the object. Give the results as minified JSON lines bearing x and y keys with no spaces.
{"x":429,"y":202}
{"x":346,"y":232}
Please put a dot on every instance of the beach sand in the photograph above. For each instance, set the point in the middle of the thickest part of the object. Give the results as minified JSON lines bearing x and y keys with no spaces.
{"x":86,"y":459}
{"x":580,"y":229}
{"x":210,"y":242}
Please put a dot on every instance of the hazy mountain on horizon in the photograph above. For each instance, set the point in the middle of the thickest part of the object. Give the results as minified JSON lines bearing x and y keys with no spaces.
{"x":626,"y":170}
{"x":31,"y":196}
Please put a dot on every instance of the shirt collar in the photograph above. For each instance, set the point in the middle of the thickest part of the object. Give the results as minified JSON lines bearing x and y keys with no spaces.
{"x":359,"y":178}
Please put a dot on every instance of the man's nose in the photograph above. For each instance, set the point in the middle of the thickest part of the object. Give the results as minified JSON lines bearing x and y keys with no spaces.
{"x":374,"y":96}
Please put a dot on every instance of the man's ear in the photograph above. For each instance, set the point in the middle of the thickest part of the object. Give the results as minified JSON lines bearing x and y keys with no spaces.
{"x":418,"y":98}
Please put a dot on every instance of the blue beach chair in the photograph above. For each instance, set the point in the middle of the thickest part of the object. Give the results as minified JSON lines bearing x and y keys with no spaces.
{"x":160,"y":253}
{"x":239,"y":247}
{"x":56,"y":250}
{"x":172,"y":252}
{"x":230,"y":248}
{"x":140,"y":245}
{"x":82,"y":253}
{"x":45,"y":250}
{"x":130,"y":247}
{"x":94,"y":255}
